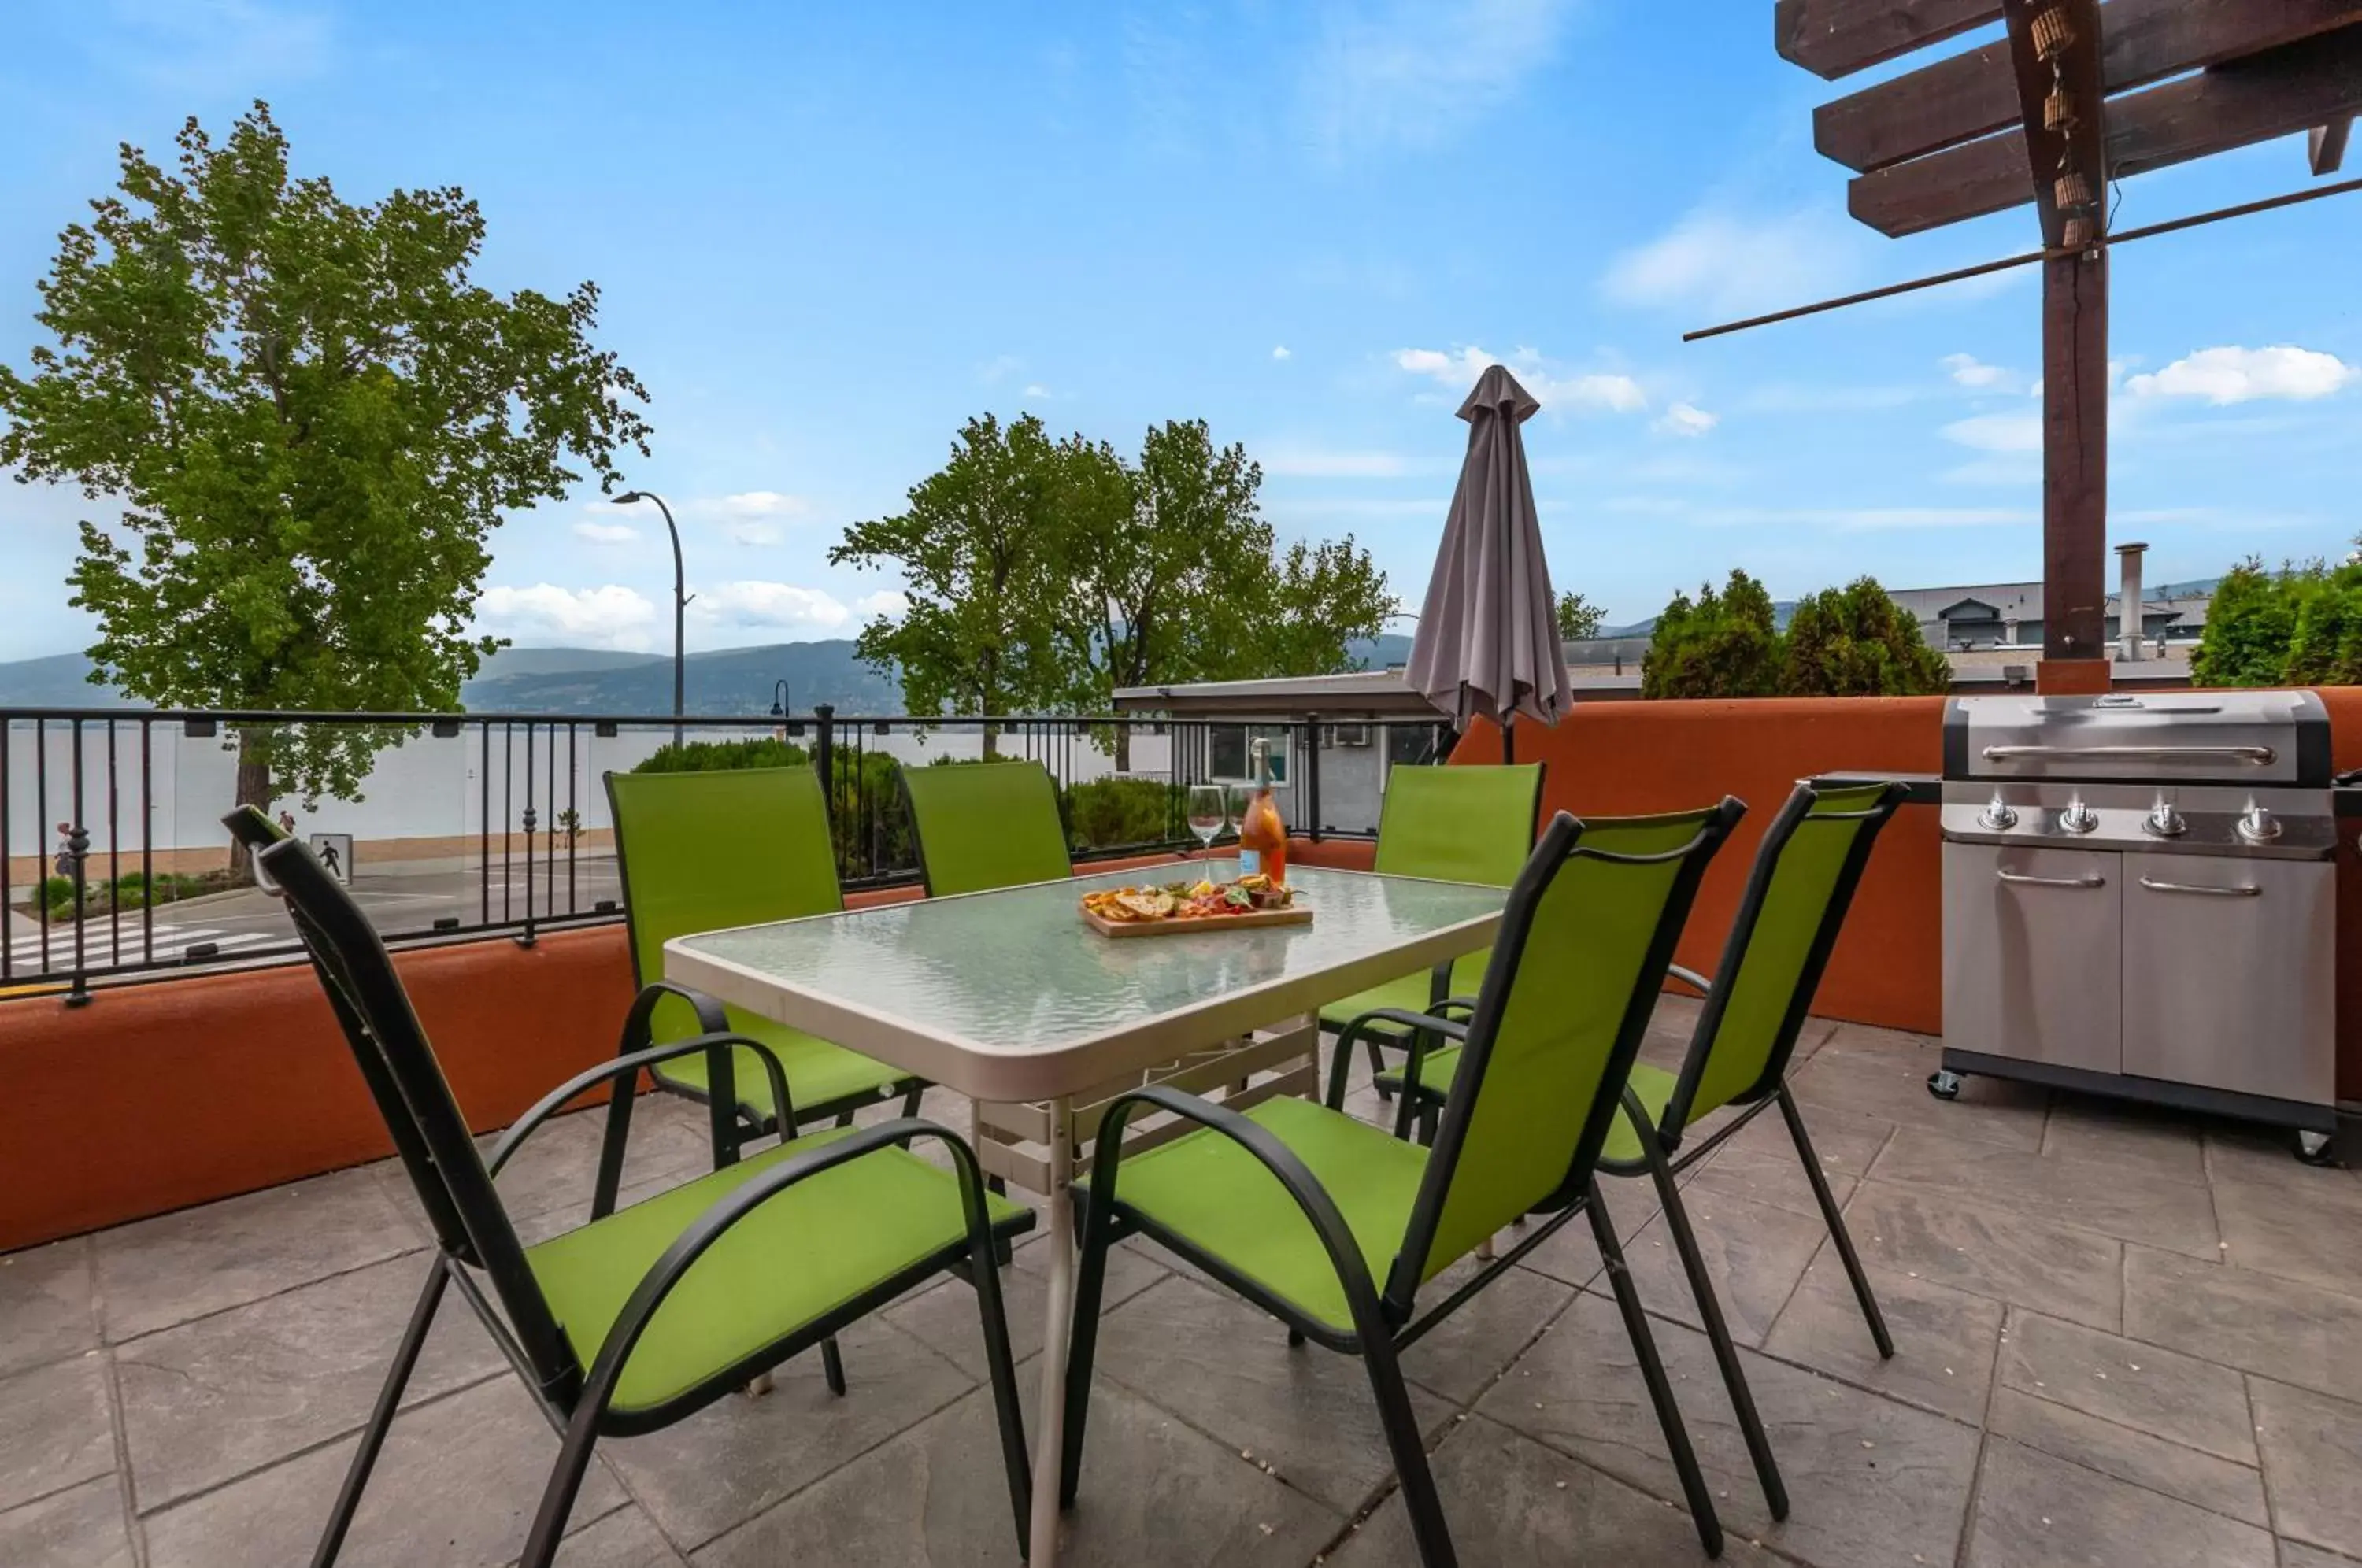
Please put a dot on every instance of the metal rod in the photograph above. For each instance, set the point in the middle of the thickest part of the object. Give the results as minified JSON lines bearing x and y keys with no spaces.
{"x":2026,"y":259}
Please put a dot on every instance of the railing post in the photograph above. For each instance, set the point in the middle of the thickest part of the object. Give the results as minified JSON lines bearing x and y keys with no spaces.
{"x":532,"y":820}
{"x":824,"y":753}
{"x":1312,"y":777}
{"x":78,"y":847}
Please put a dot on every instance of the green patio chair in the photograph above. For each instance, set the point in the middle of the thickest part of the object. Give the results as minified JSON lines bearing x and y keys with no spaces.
{"x":981,"y":825}
{"x":1455,"y":824}
{"x":1797,"y":892}
{"x":1332,"y":1225}
{"x":639,"y":1317}
{"x":703,"y":852}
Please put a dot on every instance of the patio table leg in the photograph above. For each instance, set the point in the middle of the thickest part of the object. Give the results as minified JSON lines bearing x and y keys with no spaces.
{"x":1050,"y":1419}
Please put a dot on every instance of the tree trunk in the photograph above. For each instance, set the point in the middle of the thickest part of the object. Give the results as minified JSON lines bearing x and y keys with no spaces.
{"x":1123,"y":749}
{"x":254,"y":789}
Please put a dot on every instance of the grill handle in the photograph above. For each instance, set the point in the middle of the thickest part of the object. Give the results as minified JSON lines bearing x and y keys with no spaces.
{"x":2019,"y":878}
{"x":2254,"y":756}
{"x":2244,"y":890}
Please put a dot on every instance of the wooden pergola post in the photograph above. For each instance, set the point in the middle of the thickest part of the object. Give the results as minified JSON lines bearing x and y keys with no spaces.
{"x":2028,"y":115}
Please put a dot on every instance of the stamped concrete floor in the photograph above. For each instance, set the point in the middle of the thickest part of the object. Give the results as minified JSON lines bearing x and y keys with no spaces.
{"x":2122,"y":1339}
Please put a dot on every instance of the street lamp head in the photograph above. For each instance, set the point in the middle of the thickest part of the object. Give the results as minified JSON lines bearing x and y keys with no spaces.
{"x":627,"y":498}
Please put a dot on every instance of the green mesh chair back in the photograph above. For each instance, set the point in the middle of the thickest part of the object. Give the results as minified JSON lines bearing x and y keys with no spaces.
{"x":415,"y":1100}
{"x":1797,"y":893}
{"x":986,"y":824}
{"x":707,"y":851}
{"x":1459,"y":823}
{"x":1585,"y":943}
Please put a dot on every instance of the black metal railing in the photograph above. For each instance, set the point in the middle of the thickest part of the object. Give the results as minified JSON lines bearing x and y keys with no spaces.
{"x":450,"y":826}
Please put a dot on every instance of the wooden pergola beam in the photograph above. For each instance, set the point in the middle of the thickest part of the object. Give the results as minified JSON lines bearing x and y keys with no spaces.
{"x":2325,"y":146}
{"x":2297,"y":87}
{"x":1974,"y":93}
{"x":1835,"y":37}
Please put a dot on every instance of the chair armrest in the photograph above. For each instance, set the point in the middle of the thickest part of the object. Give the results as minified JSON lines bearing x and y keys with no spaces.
{"x":1341,"y":1061}
{"x":712,"y":1017}
{"x":709,"y":1227}
{"x":1294,"y":1176}
{"x":591,"y":1078}
{"x":1691,"y":978}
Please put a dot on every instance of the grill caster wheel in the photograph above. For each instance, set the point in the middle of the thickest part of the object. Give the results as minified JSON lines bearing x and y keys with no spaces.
{"x":1944,"y":1084}
{"x":2316,"y":1149}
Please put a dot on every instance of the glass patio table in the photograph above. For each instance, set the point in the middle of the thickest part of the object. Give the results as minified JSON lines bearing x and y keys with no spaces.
{"x":1009,"y":997}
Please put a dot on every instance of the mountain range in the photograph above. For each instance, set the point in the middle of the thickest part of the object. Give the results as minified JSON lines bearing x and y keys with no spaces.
{"x":601,"y":681}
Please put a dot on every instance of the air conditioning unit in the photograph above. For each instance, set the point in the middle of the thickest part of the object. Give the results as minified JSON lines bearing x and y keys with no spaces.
{"x":1348,"y":735}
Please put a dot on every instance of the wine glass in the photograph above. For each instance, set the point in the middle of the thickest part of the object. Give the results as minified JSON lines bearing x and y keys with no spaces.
{"x":1209,"y":814}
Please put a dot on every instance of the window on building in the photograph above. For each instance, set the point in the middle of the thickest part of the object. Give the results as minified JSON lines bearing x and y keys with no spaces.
{"x":1227,"y":756}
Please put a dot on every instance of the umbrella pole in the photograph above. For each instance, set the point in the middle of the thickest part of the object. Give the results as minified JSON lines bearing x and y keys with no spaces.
{"x":1509,"y":738}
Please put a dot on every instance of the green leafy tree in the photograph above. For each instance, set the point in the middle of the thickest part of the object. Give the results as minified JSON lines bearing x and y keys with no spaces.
{"x":2301,"y":626}
{"x":2325,"y":648}
{"x":1723,"y":644}
{"x":1578,"y":618}
{"x":1046,"y":575}
{"x":312,"y":419}
{"x":981,"y":552}
{"x":1855,"y":641}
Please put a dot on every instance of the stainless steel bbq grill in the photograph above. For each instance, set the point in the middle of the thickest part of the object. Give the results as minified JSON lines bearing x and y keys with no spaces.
{"x":2140,"y":899}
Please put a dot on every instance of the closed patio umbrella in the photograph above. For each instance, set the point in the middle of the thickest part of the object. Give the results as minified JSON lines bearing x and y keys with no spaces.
{"x":1487,"y":643}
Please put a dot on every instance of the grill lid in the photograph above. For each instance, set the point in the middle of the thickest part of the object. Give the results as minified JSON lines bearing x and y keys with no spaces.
{"x":2191,"y":738}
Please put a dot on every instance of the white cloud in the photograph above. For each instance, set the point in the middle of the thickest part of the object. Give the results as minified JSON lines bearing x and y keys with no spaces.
{"x":890,"y":602}
{"x":1731,"y":265}
{"x":750,"y":517}
{"x":2231,"y":375}
{"x":1997,"y":432}
{"x":1315,"y":462}
{"x":1000,"y":368}
{"x":607,"y":617}
{"x":1036,"y":389}
{"x":1685,"y":419}
{"x":1458,"y":371}
{"x":1416,"y":72}
{"x":1969,"y":371}
{"x":767,"y":606}
{"x":606,"y":533}
{"x":755,"y":503}
{"x":1280,"y":351}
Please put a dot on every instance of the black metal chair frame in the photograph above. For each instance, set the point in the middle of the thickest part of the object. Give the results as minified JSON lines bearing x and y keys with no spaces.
{"x":1662,"y":1158}
{"x":473,"y":1234}
{"x":1439,"y":983}
{"x":733,"y":1123}
{"x":1386,"y":1322}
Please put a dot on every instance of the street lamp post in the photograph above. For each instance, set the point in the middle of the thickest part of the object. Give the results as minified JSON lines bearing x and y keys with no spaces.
{"x":680,"y":597}
{"x":782,"y":704}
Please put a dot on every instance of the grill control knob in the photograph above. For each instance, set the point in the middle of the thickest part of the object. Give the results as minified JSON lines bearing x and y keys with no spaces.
{"x":2257,"y":826}
{"x":1997,"y":815}
{"x":2077,"y":817}
{"x":2163,"y":820}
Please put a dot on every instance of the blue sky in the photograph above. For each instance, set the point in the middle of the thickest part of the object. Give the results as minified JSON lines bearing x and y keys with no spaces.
{"x":827,"y":234}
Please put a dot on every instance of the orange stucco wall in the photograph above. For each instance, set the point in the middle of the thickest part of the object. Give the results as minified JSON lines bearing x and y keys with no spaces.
{"x":1616,"y":758}
{"x":155,"y":1097}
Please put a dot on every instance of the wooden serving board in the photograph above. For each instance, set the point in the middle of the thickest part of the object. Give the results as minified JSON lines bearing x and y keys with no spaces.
{"x":1297,"y":915}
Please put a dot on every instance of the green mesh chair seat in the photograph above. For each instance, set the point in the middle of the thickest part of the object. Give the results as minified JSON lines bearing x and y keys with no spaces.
{"x":819,"y":1074}
{"x":986,"y":824}
{"x":1413,"y":993}
{"x":1453,"y":824}
{"x":635,"y":1319}
{"x":703,"y":852}
{"x":1335,"y":1227}
{"x":1653,"y":1086}
{"x":789,"y":1263}
{"x":1210,"y":1196}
